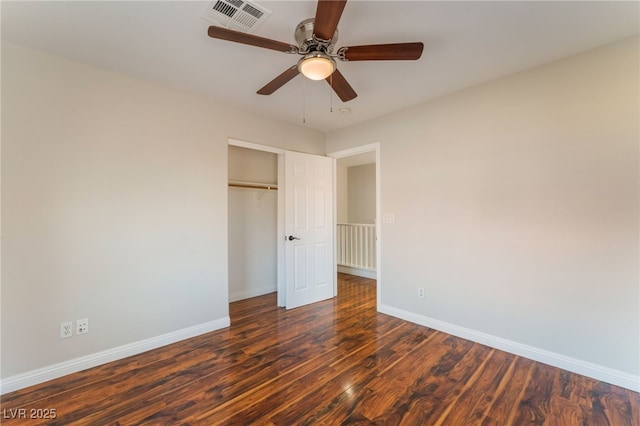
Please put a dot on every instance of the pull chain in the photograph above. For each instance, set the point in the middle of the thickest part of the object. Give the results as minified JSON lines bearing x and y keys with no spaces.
{"x":331,"y":93}
{"x":304,"y":101}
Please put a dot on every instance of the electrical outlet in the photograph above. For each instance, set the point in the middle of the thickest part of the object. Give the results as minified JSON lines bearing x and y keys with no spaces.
{"x":421,"y":292}
{"x":66,"y":329}
{"x":82,"y":326}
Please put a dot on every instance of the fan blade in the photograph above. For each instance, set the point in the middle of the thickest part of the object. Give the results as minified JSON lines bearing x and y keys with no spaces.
{"x":328,"y":15}
{"x":250,"y":39}
{"x":279,"y":81}
{"x":340,"y":85}
{"x":382,"y":52}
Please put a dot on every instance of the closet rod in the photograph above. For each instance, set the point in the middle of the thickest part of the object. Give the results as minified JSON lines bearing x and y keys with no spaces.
{"x":253,"y":185}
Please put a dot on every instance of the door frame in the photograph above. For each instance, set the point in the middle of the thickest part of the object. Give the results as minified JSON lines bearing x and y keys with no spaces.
{"x":348,"y":153}
{"x":281,"y":283}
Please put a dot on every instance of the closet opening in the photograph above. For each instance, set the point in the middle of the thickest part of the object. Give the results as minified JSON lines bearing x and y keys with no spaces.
{"x":252,"y":222}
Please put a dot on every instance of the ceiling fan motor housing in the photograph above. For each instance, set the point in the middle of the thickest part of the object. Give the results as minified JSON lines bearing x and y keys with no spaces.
{"x":307,"y":42}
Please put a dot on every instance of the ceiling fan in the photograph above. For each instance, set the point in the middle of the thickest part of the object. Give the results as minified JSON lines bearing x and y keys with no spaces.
{"x":316,"y":38}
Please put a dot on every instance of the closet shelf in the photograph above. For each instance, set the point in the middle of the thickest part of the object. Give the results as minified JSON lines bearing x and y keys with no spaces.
{"x":256,"y":185}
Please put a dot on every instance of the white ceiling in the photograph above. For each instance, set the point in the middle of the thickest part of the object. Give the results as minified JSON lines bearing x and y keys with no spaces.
{"x":466,"y":43}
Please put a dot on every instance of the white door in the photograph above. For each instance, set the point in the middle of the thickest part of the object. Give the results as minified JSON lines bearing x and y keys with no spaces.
{"x":308,"y":228}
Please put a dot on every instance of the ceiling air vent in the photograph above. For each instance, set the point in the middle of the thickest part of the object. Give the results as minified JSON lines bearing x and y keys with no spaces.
{"x":239,"y":15}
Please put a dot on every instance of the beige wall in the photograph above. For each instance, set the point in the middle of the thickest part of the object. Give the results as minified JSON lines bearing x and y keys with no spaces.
{"x":362,"y":193}
{"x":250,"y":165}
{"x":342,"y":189}
{"x":114,"y":206}
{"x":517,"y":206}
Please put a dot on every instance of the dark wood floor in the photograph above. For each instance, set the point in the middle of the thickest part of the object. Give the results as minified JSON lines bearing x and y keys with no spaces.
{"x":333,"y":362}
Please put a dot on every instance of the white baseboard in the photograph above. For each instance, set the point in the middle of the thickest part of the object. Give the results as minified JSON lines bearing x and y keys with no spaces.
{"x":51,"y":372}
{"x":241,"y":295}
{"x":595,"y":371}
{"x":359,"y":272}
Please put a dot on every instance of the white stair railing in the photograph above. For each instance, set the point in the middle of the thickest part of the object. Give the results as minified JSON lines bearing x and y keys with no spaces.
{"x":357,"y":245}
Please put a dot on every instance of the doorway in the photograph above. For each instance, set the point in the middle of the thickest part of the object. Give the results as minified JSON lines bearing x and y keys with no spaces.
{"x":357,"y":199}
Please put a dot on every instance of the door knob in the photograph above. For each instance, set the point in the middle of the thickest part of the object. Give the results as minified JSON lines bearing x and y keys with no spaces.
{"x":291,"y":238}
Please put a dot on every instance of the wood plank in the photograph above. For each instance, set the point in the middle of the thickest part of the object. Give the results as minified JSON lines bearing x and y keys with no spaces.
{"x":506,"y":402}
{"x":480,"y":394}
{"x":534,"y":405}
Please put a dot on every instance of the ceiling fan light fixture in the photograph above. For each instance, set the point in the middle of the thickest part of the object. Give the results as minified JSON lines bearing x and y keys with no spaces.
{"x":317,"y":66}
